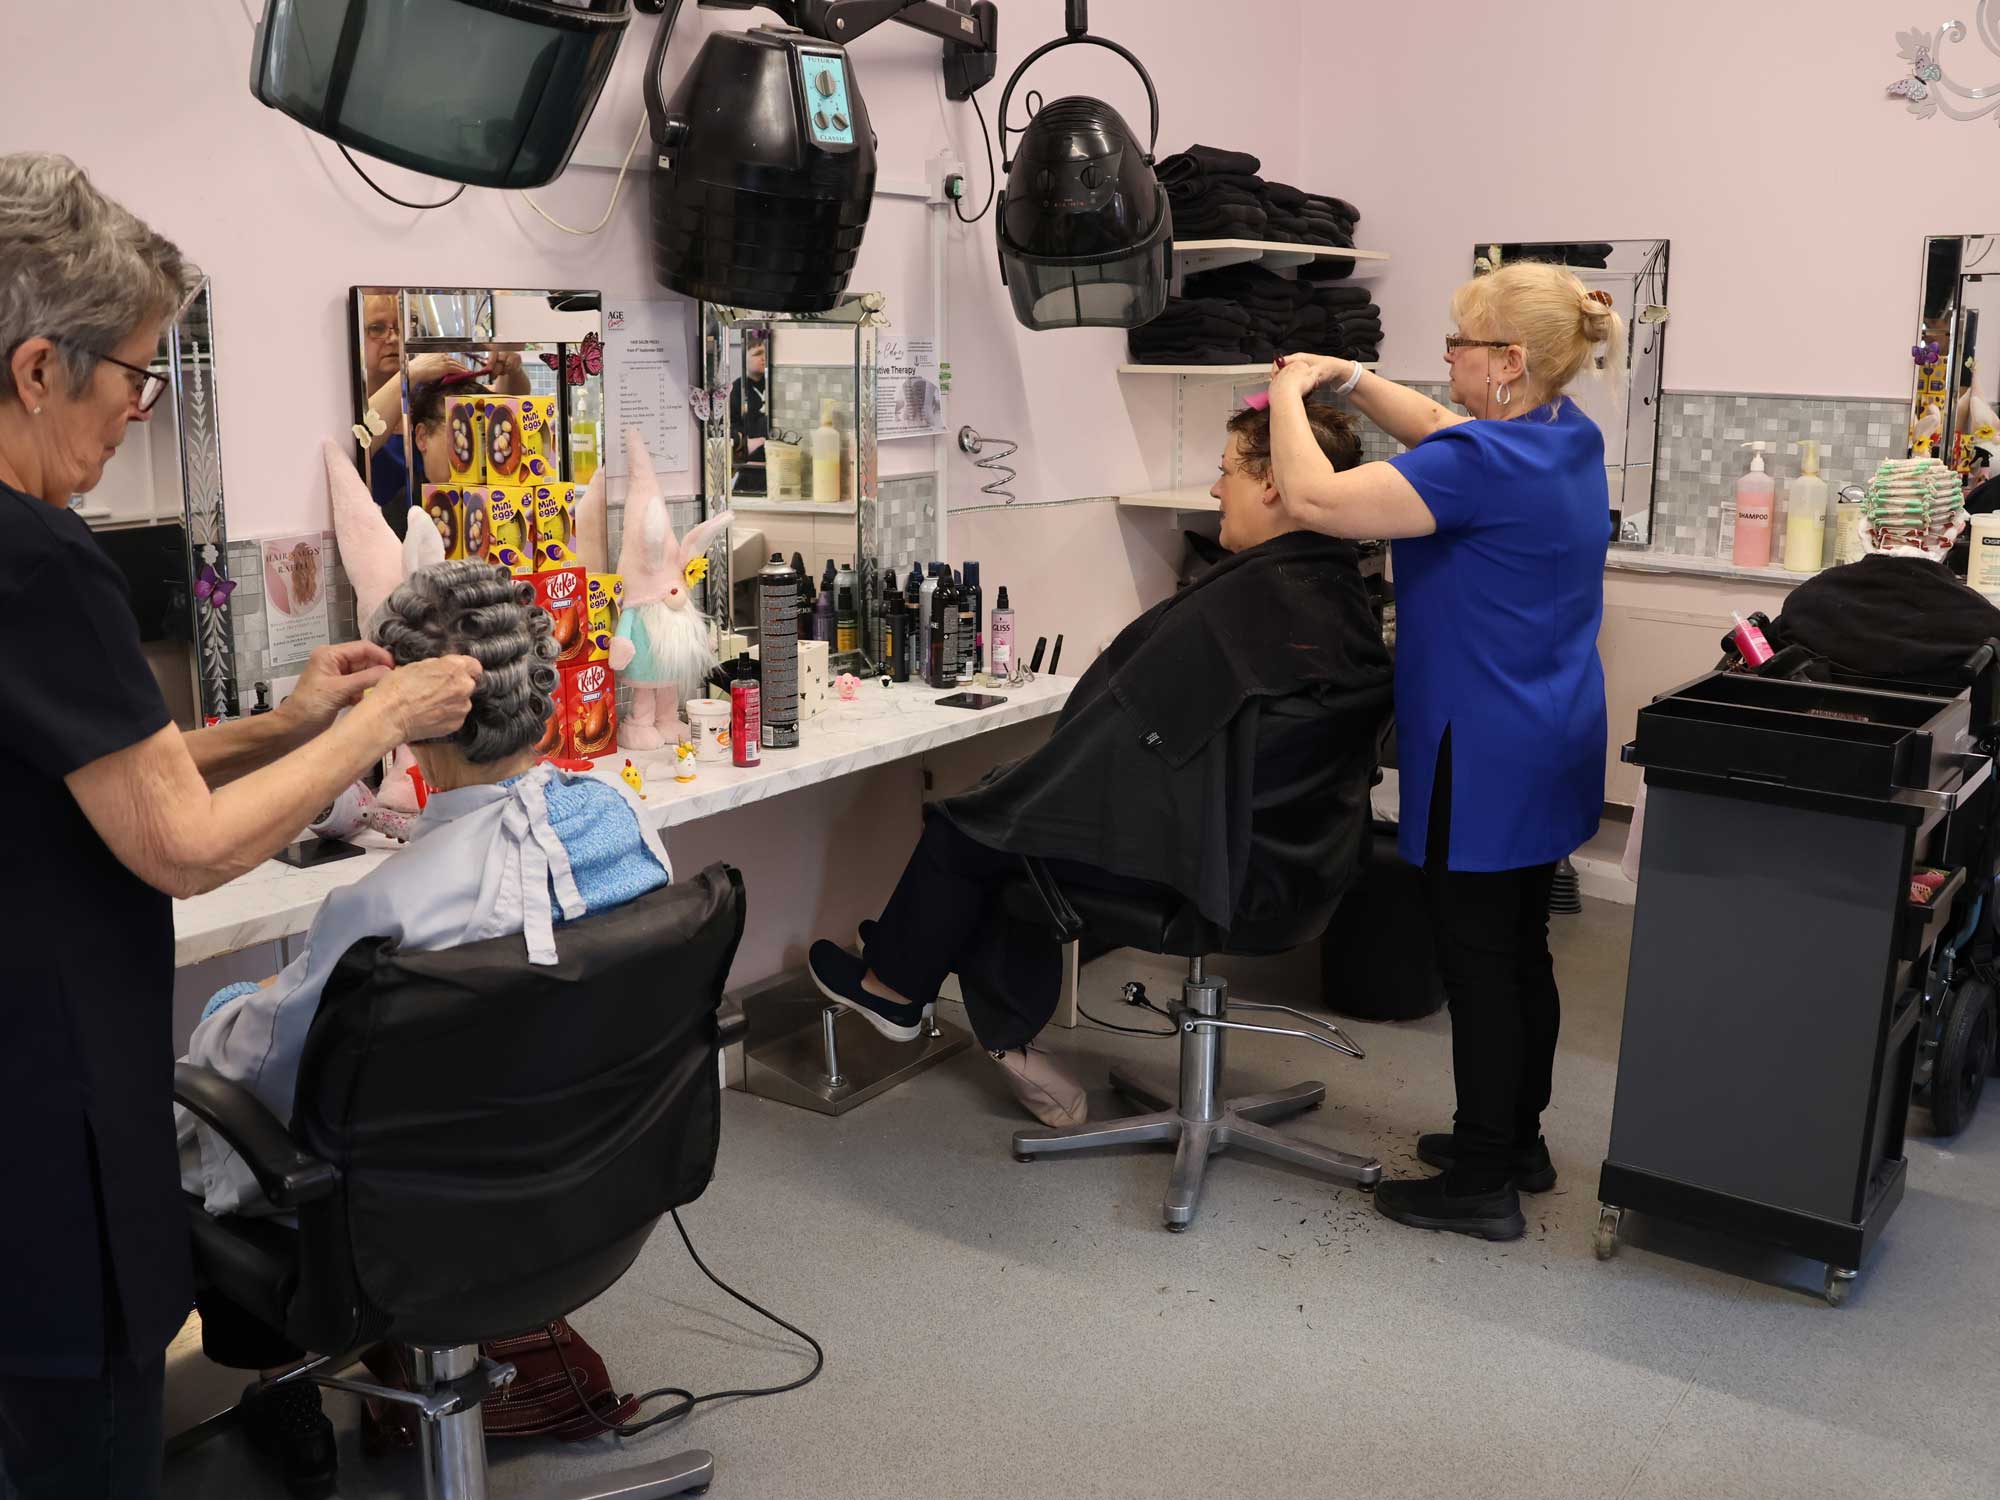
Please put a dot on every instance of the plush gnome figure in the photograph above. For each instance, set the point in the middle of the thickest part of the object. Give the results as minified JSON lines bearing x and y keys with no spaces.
{"x":665,"y":646}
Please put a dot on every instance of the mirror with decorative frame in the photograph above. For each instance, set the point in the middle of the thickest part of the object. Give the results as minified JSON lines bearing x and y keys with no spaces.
{"x":415,"y":347}
{"x":158,"y":512}
{"x":1625,"y":407}
{"x":1955,"y":392}
{"x":789,"y":450}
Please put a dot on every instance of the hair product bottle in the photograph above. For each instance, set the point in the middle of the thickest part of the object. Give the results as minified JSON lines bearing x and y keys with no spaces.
{"x":941,"y":669}
{"x":826,"y":456}
{"x":1805,"y":514}
{"x":973,"y":648}
{"x":1003,"y":636}
{"x":778,"y":647}
{"x":1756,"y":493}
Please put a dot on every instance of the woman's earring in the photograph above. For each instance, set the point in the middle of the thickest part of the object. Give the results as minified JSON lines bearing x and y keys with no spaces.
{"x":1506,"y":394}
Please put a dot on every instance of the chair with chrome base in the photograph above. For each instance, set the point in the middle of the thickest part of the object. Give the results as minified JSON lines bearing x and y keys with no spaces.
{"x":480,"y":1146}
{"x":1195,"y":1118}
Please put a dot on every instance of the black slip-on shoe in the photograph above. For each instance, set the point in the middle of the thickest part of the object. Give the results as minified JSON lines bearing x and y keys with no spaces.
{"x":1534,"y":1171}
{"x":287,"y":1425}
{"x":1424,"y":1204}
{"x":838,"y":975}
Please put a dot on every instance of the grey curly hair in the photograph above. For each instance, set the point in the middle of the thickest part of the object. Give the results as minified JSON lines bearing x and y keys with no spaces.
{"x":81,"y":269}
{"x":479,"y":610}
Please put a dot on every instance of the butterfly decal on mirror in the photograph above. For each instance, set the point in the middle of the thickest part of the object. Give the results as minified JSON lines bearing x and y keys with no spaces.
{"x":582,"y":362}
{"x":211,"y":588}
{"x":370,"y":427}
{"x":708,"y":403}
{"x":1919,"y":50}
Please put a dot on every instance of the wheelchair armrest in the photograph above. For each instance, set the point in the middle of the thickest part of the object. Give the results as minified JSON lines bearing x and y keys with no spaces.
{"x":287,"y":1175}
{"x":731,"y":1025}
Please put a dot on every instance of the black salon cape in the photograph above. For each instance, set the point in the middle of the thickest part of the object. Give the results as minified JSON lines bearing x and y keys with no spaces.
{"x":1887,"y":617}
{"x":1222,"y":746}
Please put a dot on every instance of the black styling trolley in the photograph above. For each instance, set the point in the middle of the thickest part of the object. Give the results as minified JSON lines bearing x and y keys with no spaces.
{"x":1781,"y":973}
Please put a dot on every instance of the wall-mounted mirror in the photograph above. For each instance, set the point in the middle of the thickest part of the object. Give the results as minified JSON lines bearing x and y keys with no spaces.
{"x":789,"y":451}
{"x":1627,"y":406}
{"x":158,"y":513}
{"x":1956,"y":388}
{"x":415,"y":347}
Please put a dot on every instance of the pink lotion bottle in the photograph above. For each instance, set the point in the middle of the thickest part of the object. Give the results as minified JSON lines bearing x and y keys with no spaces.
{"x":1756,"y":496}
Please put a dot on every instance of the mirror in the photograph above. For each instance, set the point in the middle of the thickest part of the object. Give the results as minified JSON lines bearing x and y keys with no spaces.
{"x":158,"y":513}
{"x":789,"y":451}
{"x":1956,"y":388}
{"x":416,"y":347}
{"x":1627,"y":408}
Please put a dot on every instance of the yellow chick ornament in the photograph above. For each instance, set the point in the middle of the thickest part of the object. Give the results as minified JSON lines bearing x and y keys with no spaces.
{"x":634,"y":780}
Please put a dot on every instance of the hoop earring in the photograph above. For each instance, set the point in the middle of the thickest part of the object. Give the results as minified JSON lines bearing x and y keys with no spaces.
{"x":1506,"y":395}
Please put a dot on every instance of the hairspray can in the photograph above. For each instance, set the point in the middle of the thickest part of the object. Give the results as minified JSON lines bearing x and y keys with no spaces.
{"x":778,"y":648}
{"x":747,"y":725}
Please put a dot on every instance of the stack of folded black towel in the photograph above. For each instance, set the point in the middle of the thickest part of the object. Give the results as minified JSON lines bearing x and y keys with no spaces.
{"x":1310,"y":317}
{"x":1201,"y":331}
{"x":1214,"y":194}
{"x":1587,"y":256}
{"x":1244,"y":314}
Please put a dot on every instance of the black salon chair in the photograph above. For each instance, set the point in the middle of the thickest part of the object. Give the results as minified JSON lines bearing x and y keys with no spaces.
{"x":1199,"y":1121}
{"x":480,"y":1146}
{"x":1321,"y":762}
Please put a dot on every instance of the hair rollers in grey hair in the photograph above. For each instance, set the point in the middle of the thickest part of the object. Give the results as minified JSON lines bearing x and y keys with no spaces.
{"x":476,"y":609}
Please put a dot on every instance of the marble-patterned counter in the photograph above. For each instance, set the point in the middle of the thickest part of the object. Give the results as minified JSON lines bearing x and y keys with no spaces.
{"x":275,"y":901}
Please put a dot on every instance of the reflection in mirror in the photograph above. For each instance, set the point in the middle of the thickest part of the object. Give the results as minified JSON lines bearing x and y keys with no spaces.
{"x":418,"y":348}
{"x":1625,"y":407}
{"x":1956,"y":389}
{"x":789,"y":451}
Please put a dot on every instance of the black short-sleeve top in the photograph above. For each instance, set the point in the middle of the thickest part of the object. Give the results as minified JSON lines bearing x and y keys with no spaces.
{"x":93,"y":1237}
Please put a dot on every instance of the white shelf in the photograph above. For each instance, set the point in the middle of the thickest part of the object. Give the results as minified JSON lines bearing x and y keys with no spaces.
{"x":755,"y":506}
{"x":1211,"y":255}
{"x":1210,"y":372}
{"x":1181,"y":499}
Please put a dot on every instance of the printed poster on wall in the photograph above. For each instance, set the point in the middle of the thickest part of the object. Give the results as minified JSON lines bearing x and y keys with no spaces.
{"x":908,"y":402}
{"x":646,"y":350}
{"x":296,"y":584}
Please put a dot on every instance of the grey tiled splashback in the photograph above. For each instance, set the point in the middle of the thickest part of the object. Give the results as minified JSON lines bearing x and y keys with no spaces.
{"x":1701,"y":433}
{"x":908,"y":518}
{"x":1700,"y":455}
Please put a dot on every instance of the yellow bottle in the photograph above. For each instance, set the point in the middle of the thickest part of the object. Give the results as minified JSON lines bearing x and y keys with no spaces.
{"x":826,"y":457}
{"x":1805,"y":514}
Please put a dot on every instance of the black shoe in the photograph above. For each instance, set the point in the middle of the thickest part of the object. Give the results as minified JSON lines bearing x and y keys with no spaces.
{"x":838,"y":975}
{"x":287,"y":1424}
{"x":1423,"y":1203}
{"x":1534,"y":1172}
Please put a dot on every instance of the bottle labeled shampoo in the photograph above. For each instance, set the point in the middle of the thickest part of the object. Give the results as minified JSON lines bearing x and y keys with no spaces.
{"x":1756,"y":494}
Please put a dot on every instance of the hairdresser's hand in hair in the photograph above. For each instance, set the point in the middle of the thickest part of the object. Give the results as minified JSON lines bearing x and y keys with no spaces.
{"x":428,"y":698}
{"x":1301,"y":374}
{"x":335,"y":678}
{"x":426,"y":368}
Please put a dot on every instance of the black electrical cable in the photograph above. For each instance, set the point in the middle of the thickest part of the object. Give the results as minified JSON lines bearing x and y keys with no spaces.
{"x":399,"y":202}
{"x":1127,"y":1030}
{"x":992,"y":177}
{"x":688,"y":1400}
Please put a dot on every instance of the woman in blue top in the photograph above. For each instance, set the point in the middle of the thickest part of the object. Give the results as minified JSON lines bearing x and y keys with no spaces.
{"x":1500,"y":522}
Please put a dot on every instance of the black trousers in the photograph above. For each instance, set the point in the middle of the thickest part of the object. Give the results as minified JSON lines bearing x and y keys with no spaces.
{"x":1492,"y":932}
{"x":930,"y":924}
{"x":98,"y":1438}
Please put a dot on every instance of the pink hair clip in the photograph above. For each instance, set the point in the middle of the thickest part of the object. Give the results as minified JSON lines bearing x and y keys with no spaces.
{"x":1261,"y":401}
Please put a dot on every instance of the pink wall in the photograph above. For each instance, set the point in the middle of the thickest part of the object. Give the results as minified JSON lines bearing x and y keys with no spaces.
{"x":1757,"y":137}
{"x":284,"y":227}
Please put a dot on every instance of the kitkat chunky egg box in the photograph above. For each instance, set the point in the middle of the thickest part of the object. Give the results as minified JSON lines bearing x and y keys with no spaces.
{"x":590,"y":692}
{"x":563,"y":594}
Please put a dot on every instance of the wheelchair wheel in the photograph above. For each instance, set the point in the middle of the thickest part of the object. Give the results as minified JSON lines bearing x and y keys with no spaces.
{"x":1964,"y":1056}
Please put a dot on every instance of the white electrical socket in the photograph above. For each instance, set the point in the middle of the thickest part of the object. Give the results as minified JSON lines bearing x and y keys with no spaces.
{"x":938,"y":172}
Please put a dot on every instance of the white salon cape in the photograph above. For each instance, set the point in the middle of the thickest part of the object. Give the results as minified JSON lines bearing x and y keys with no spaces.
{"x":482,"y":862}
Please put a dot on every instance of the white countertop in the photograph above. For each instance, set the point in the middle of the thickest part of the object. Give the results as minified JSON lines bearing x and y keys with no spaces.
{"x":1633,"y":560}
{"x":276,"y":901}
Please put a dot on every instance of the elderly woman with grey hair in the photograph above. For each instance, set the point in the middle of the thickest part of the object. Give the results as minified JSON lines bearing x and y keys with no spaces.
{"x":112,"y":812}
{"x":504,"y":845}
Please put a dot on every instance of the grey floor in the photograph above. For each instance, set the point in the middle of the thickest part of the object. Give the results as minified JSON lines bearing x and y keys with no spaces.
{"x":997,"y":1329}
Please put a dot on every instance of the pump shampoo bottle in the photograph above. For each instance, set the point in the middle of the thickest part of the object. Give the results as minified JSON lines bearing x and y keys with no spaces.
{"x":1756,"y":495}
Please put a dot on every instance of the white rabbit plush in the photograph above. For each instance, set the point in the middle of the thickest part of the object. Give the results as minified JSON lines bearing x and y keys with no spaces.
{"x":665,"y":647}
{"x":376,"y":563}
